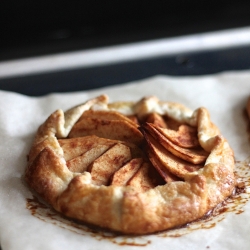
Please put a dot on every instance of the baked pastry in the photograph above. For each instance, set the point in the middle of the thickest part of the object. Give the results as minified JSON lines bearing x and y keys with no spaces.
{"x":132,"y":167}
{"x":248,"y":107}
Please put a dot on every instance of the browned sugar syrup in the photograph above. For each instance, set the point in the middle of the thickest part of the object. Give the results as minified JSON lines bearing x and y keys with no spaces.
{"x":234,"y":204}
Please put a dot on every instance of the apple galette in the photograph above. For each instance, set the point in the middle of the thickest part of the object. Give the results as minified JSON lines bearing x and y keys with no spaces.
{"x":131,"y":167}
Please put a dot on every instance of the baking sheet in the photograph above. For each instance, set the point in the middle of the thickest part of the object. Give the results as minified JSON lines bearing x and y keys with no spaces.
{"x":37,"y":227}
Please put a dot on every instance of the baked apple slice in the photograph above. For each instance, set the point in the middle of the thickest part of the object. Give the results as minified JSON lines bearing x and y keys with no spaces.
{"x":107,"y":164}
{"x":173,"y":164}
{"x":156,"y":119}
{"x":194,"y":155}
{"x":185,"y":136}
{"x":123,"y":130}
{"x":106,"y":115}
{"x":145,"y":178}
{"x":126,"y":172}
{"x":77,"y":146}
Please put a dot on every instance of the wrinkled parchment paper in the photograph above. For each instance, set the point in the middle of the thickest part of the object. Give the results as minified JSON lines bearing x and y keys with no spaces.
{"x":223,"y":94}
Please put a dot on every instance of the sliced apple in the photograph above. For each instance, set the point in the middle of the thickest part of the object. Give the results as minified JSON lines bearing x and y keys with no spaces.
{"x":106,"y":115}
{"x":196,"y":156}
{"x":134,"y":119}
{"x":185,"y":136}
{"x":77,"y":146}
{"x":162,"y":170}
{"x":136,"y":151}
{"x":125,"y":173}
{"x":81,"y":163}
{"x":146,"y":178}
{"x":172,"y":123}
{"x":114,"y":129}
{"x":141,"y":180}
{"x":157,"y":120}
{"x":172,"y":163}
{"x":107,"y":164}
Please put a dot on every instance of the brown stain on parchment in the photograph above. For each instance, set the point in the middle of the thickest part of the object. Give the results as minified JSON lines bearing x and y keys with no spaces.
{"x":234,"y":204}
{"x":48,"y":214}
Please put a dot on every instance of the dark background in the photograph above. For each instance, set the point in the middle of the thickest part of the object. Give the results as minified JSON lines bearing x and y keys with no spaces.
{"x":36,"y":27}
{"x":33,"y":28}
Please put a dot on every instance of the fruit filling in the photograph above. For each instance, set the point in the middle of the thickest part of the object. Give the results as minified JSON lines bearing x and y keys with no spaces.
{"x":127,"y":151}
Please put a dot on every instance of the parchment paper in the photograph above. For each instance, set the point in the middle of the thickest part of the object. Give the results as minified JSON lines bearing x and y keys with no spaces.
{"x":223,"y":94}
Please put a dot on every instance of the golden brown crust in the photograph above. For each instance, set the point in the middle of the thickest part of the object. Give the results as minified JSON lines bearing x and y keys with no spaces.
{"x":125,"y":208}
{"x":248,"y":107}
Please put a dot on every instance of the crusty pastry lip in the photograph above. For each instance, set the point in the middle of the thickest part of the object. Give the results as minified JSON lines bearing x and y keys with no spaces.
{"x":124,"y":209}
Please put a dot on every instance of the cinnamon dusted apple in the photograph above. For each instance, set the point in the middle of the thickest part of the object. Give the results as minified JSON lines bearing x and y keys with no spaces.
{"x":132,"y":167}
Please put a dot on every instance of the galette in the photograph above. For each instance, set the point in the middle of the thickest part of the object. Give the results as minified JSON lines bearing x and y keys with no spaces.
{"x":131,"y":167}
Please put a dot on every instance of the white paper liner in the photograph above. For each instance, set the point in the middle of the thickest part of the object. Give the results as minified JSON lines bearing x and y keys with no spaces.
{"x":224,"y":95}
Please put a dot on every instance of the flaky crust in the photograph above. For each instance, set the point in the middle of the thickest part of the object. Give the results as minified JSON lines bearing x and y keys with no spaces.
{"x":125,"y":209}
